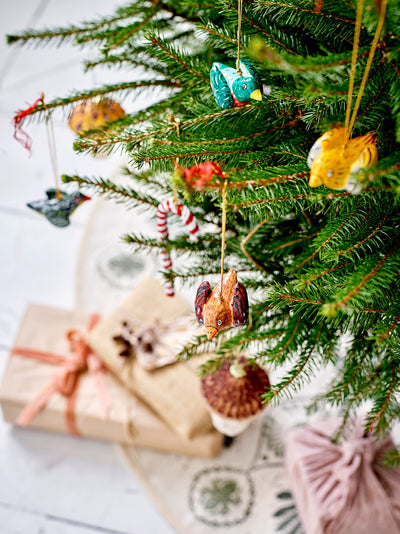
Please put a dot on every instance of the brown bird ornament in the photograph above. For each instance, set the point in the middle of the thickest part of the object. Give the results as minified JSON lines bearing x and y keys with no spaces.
{"x":222,"y":308}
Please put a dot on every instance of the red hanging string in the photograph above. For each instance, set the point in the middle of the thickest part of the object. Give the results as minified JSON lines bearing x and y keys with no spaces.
{"x":19,"y":134}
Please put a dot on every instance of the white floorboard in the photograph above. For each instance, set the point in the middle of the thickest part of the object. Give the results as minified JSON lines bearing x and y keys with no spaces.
{"x":49,"y":483}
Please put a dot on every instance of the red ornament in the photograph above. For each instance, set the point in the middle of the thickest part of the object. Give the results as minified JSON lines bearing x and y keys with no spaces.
{"x":200,"y":175}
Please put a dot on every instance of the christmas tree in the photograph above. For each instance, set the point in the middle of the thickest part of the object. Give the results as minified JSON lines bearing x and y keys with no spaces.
{"x":320,"y":264}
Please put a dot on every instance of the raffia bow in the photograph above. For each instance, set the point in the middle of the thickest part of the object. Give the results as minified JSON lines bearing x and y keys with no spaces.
{"x":66,"y":380}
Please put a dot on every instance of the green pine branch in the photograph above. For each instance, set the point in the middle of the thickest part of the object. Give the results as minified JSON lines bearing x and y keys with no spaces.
{"x":317,"y":263}
{"x":109,"y":189}
{"x":42,"y":110}
{"x":64,"y":34}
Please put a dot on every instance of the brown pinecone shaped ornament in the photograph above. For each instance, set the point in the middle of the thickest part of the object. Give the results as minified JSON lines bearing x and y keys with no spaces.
{"x":234,"y":395}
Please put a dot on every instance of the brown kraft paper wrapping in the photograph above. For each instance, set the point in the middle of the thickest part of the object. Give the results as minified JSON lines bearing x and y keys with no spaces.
{"x":173,"y":391}
{"x":129,"y":420}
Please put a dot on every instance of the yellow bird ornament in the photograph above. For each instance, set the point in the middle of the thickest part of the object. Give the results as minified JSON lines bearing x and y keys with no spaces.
{"x":333,"y":159}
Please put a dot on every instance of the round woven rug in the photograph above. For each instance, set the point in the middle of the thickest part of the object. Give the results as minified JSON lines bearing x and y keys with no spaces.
{"x":244,"y":489}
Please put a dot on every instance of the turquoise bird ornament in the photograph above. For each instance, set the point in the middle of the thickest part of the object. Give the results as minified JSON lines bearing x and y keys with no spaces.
{"x":232,"y":89}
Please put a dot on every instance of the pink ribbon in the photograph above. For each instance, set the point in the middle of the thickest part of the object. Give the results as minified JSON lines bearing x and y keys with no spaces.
{"x":66,"y":380}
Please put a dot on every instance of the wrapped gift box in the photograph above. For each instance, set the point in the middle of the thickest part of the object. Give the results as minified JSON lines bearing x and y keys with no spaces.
{"x":343,"y":488}
{"x":173,"y":391}
{"x":127,"y":420}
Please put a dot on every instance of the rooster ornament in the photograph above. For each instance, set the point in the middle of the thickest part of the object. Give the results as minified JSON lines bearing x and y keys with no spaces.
{"x":221,"y":309}
{"x":233,"y":89}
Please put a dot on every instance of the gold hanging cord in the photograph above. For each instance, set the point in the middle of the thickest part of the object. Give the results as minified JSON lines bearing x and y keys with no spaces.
{"x":224,"y":195}
{"x":223,"y":228}
{"x":177,"y":123}
{"x":350,"y":120}
{"x":239,"y":36}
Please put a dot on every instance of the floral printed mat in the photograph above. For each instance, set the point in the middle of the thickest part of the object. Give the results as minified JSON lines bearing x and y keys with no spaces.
{"x":245,"y":489}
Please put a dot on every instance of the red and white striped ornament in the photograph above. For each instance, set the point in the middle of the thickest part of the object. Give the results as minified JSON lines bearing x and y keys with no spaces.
{"x":168,"y":206}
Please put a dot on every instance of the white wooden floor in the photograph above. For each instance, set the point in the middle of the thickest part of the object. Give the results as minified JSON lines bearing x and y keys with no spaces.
{"x":51,"y":484}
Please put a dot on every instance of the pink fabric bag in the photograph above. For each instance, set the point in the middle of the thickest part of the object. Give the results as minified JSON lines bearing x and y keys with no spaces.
{"x":343,"y":488}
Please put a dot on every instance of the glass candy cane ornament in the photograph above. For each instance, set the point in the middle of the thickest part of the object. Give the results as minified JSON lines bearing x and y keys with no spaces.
{"x":169,"y":206}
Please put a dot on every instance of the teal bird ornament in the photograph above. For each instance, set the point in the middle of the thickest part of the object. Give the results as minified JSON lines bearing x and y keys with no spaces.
{"x":232,"y":89}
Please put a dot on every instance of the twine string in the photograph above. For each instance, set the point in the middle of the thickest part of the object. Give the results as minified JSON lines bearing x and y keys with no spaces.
{"x":239,"y":36}
{"x":357,"y":31}
{"x":51,"y":141}
{"x":351,"y":117}
{"x":223,"y":222}
{"x":175,"y":196}
{"x":378,"y":31}
{"x":177,"y":123}
{"x":223,"y":234}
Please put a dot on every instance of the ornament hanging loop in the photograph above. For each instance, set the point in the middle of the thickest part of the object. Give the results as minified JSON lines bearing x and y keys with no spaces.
{"x":239,"y":36}
{"x":177,"y":123}
{"x":51,"y":140}
{"x":223,"y":234}
{"x":357,"y":31}
{"x":351,"y":117}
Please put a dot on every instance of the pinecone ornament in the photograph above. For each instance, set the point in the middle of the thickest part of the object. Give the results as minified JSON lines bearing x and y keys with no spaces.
{"x":234,"y":395}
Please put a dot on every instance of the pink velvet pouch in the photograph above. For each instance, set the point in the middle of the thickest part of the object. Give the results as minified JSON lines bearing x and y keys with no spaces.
{"x":343,"y":488}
